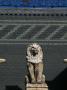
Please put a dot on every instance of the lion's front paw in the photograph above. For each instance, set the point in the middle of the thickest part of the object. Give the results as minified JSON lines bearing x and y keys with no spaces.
{"x":26,"y":79}
{"x":43,"y":78}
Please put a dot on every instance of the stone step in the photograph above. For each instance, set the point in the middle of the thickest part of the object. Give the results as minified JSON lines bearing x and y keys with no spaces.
{"x":36,"y":87}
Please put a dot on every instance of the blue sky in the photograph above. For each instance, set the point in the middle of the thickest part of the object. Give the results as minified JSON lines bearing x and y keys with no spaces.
{"x":33,"y":3}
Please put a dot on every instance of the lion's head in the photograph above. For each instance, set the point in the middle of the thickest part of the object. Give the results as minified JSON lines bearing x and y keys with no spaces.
{"x":35,"y":49}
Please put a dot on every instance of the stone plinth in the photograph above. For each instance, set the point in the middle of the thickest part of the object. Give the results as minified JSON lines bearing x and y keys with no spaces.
{"x":36,"y":87}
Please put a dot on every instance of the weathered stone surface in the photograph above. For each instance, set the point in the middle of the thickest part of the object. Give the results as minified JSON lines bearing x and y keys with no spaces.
{"x":36,"y":87}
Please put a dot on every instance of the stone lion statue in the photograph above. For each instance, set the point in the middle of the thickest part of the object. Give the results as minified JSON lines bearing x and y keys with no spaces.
{"x":35,"y":64}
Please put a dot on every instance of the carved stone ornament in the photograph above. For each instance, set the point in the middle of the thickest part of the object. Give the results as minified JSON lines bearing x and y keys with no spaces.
{"x":34,"y":57}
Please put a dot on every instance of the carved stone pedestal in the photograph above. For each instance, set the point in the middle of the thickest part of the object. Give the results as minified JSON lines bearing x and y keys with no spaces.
{"x":36,"y":87}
